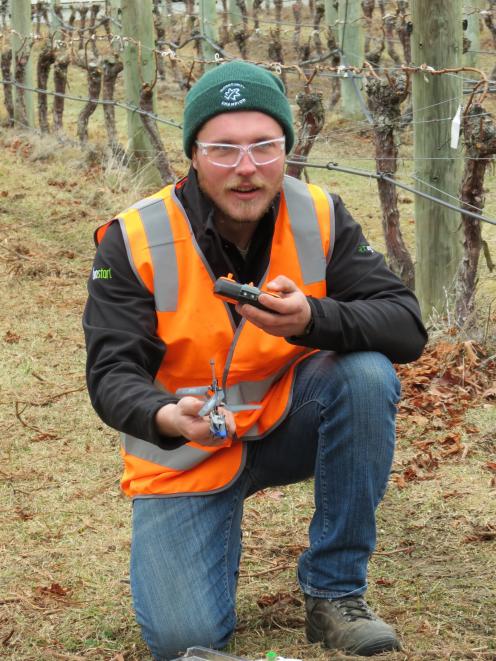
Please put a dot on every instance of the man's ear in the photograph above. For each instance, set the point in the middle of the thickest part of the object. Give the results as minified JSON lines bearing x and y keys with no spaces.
{"x":194,"y":160}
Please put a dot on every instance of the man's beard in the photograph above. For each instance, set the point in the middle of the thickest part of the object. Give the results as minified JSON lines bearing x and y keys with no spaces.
{"x":222,"y":214}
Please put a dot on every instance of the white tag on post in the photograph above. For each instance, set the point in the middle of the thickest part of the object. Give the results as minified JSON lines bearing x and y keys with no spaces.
{"x":455,"y":128}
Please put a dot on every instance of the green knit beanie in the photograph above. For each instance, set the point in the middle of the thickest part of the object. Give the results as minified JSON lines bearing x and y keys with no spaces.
{"x":231,"y":87}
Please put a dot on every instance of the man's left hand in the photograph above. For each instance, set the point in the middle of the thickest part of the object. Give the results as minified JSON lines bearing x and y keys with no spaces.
{"x":286,"y":315}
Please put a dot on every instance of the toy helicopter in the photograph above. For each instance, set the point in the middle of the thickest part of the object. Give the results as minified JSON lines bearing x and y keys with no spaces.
{"x":215,"y":399}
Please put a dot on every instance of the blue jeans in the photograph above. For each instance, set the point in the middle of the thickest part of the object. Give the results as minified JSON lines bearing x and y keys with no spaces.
{"x":186,"y":550}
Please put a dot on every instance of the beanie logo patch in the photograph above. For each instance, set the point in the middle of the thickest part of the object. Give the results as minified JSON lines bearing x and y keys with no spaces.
{"x":232,"y":95}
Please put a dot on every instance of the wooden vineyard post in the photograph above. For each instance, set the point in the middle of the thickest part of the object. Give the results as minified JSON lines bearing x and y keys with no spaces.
{"x":491,"y":25}
{"x":471,"y":58}
{"x":235,"y":16}
{"x":114,"y":10}
{"x":22,"y":62}
{"x":55,"y":21}
{"x":139,"y":68}
{"x":208,"y":29}
{"x":436,"y":42}
{"x":352,"y":45}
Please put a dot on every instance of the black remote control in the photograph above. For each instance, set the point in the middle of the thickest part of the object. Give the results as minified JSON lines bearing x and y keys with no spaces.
{"x":234,"y":292}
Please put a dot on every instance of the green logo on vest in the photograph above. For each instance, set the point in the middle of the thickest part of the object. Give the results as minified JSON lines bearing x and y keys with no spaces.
{"x":102,"y":274}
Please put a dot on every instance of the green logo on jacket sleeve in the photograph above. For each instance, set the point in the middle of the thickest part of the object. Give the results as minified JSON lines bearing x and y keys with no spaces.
{"x":365,"y":249}
{"x":102,"y":274}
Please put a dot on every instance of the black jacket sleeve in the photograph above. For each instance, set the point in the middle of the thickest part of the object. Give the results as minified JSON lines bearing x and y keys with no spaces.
{"x":123,"y":350}
{"x":367,"y":308}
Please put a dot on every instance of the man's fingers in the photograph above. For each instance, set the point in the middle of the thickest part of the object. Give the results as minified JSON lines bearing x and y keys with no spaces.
{"x":282,"y":284}
{"x":197,"y":428}
{"x":284,"y":305}
{"x":190,"y":405}
{"x":285,"y":316}
{"x":230,"y":421}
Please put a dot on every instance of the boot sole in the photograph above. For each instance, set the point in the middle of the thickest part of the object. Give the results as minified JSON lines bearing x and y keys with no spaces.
{"x":386,"y":644}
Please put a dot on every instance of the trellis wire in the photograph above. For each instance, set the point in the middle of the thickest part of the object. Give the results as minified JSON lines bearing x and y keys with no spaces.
{"x":328,"y":166}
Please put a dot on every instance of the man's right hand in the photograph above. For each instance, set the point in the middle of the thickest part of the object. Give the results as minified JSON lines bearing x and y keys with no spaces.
{"x":182,"y":419}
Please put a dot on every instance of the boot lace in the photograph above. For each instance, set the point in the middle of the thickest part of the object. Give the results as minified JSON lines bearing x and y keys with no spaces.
{"x":354,"y":608}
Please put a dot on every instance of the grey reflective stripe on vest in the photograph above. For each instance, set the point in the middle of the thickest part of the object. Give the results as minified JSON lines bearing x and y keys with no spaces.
{"x":254,"y":432}
{"x":162,"y":251}
{"x":182,"y":458}
{"x":306,"y":230}
{"x":333,"y":231}
{"x":128,"y":250}
{"x":248,"y":392}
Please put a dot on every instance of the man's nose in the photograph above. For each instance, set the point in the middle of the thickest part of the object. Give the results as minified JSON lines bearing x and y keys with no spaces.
{"x":246,"y":164}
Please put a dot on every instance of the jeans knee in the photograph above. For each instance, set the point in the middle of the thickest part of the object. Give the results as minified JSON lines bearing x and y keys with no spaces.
{"x":168,"y":640}
{"x":371,"y":376}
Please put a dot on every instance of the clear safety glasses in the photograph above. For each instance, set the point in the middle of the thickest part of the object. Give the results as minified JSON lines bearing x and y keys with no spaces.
{"x":229,"y":156}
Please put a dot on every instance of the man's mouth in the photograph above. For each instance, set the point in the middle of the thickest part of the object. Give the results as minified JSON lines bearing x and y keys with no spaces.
{"x":245,"y":189}
{"x":246,"y":192}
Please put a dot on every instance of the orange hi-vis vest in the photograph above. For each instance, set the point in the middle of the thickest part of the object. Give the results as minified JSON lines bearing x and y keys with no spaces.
{"x":198,"y":327}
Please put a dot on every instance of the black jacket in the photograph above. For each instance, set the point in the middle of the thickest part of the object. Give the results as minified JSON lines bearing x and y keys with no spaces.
{"x":367,"y":308}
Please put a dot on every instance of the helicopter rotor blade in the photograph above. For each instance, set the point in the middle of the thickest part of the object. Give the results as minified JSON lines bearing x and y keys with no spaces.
{"x":208,"y":407}
{"x":199,"y":390}
{"x":212,"y":403}
{"x":243,"y":407}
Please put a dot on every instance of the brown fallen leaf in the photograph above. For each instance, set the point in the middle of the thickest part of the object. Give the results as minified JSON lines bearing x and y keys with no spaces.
{"x":454,"y":494}
{"x":485,"y":533}
{"x":278,"y":599}
{"x":452,"y":443}
{"x":23,"y":515}
{"x":399,"y":480}
{"x":11,"y":338}
{"x":55,"y":589}
{"x":420,"y":420}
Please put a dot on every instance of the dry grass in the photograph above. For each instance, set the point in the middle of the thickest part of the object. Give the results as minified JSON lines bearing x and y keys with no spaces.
{"x":64,"y":527}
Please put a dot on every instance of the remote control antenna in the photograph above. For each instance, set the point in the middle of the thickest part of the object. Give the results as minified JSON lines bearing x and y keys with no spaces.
{"x":214,"y":378}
